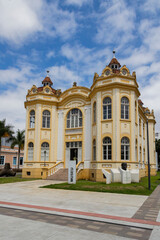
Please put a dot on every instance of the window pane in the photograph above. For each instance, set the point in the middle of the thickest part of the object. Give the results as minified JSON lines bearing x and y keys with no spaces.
{"x":21,"y":161}
{"x":1,"y":160}
{"x":68,"y":123}
{"x":14,"y":160}
{"x":74,"y":118}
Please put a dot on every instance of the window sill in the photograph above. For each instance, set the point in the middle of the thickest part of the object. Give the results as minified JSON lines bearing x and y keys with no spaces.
{"x":125,"y":120}
{"x":107,"y":120}
{"x":31,"y":129}
{"x":46,"y":129}
{"x":74,"y":128}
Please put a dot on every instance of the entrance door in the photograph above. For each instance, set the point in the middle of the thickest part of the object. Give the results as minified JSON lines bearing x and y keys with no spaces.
{"x":74,"y":154}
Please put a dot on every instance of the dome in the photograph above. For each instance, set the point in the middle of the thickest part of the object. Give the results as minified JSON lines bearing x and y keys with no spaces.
{"x":47,"y":81}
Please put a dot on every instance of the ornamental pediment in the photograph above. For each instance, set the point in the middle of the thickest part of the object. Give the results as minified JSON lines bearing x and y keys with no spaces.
{"x":47,"y":90}
{"x":124,"y":71}
{"x":74,"y":104}
{"x":107,"y":71}
{"x":33,"y":90}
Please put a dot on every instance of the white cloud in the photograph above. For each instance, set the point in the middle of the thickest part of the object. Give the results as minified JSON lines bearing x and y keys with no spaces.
{"x":21,"y":20}
{"x":78,"y":2}
{"x":15,"y":75}
{"x":151,"y":6}
{"x":18,"y":19}
{"x":116,"y":21}
{"x":50,"y":54}
{"x":14,"y":85}
{"x":63,"y":77}
{"x":86,"y":60}
{"x":139,"y":57}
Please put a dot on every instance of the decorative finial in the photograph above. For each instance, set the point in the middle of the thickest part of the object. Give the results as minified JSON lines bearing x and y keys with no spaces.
{"x":47,"y":73}
{"x":114,"y":53}
{"x":74,"y":84}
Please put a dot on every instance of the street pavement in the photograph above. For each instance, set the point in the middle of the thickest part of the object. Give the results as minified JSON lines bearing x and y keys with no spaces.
{"x":30,"y":212}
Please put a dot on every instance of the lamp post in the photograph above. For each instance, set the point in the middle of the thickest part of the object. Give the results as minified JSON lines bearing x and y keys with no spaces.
{"x":149,"y":178}
{"x":45,"y":157}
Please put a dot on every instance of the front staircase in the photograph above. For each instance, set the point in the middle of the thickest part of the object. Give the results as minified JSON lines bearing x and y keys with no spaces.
{"x":60,"y":175}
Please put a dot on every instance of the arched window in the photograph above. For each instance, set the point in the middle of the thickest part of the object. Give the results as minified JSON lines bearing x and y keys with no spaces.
{"x":32,"y":119}
{"x":46,"y":119}
{"x":74,"y":118}
{"x":107,"y":148}
{"x":107,"y":108}
{"x":140,"y":154}
{"x":135,"y":111}
{"x":94,"y":150}
{"x":45,"y":151}
{"x":94,"y":112}
{"x":136,"y":150}
{"x":143,"y":130}
{"x":124,"y":108}
{"x":30,"y":151}
{"x":140,"y":126}
{"x":144,"y":155}
{"x":125,"y":148}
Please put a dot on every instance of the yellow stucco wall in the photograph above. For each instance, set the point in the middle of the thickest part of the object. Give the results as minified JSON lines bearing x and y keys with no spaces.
{"x":113,"y":86}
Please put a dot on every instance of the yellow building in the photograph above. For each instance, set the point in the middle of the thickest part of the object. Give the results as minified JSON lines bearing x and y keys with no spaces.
{"x":99,"y":127}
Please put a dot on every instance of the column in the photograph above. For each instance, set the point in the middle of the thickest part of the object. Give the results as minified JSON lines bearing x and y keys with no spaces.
{"x":87,"y":137}
{"x":60,"y":143}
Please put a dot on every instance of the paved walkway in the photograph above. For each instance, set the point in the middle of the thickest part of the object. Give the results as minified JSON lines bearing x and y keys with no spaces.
{"x":150,"y":208}
{"x":61,"y":214}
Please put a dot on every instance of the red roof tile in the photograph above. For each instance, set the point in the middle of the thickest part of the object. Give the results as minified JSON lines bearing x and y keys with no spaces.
{"x":114,"y":61}
{"x":47,"y":79}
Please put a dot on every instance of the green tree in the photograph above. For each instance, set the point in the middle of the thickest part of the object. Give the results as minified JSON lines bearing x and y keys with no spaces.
{"x":18,"y":140}
{"x":5,"y":131}
{"x":158,"y":149}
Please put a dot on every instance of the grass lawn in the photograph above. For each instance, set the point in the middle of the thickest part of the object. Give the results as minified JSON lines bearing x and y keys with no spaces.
{"x":140,"y":188}
{"x":18,"y":178}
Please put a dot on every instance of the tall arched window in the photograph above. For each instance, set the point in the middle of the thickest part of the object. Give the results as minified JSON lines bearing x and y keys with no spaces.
{"x":32,"y":119}
{"x":107,"y":148}
{"x":140,"y":154}
{"x":140,"y":127}
{"x":136,"y":150}
{"x":46,"y":119}
{"x":74,"y":118}
{"x":144,"y":155}
{"x":94,"y":150}
{"x":143,"y":130}
{"x":45,"y":151}
{"x":94,"y":112}
{"x":124,"y":108}
{"x":30,"y":151}
{"x":125,"y":147}
{"x":135,"y":111}
{"x":107,"y":108}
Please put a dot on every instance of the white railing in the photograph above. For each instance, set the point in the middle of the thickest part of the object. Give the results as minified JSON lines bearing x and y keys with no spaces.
{"x":79,"y":167}
{"x":54,"y":168}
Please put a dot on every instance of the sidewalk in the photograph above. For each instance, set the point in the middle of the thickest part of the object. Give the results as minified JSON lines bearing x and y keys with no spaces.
{"x":101,"y":213}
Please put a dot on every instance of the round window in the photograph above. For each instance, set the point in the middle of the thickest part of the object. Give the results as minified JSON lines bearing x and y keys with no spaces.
{"x":107,"y":72}
{"x":47,"y":90}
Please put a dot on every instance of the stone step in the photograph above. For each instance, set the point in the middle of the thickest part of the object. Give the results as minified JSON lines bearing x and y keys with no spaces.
{"x":60,"y":175}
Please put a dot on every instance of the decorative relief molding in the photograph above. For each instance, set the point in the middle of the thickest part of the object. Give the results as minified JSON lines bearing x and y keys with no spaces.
{"x":46,"y":106}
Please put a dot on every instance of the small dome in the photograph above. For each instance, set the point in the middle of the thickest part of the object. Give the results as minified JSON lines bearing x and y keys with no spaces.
{"x":114,"y":63}
{"x":47,"y":81}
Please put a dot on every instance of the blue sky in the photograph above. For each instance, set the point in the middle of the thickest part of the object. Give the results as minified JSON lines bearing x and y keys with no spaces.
{"x":73,"y":39}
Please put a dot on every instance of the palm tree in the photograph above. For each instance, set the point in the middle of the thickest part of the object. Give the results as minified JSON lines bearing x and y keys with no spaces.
{"x":5,"y":131}
{"x":18,"y":140}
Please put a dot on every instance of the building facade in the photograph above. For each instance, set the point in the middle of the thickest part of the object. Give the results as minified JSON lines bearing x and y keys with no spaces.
{"x":9,"y":155}
{"x":98,"y":127}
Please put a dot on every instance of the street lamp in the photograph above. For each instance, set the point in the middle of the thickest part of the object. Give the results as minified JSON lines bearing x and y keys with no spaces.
{"x":45,"y":157}
{"x":149,"y":178}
